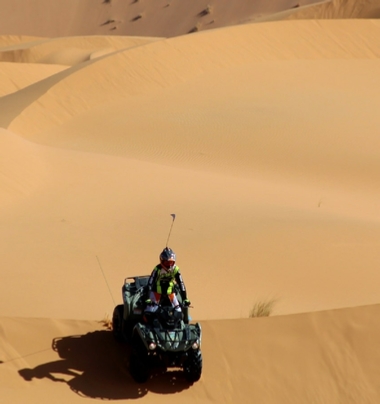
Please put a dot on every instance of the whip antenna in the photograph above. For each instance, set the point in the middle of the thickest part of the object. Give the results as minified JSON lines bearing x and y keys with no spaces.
{"x":108,"y":286}
{"x":173,"y":216}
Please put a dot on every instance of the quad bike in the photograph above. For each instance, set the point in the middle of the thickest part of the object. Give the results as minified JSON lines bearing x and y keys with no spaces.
{"x":167,"y":338}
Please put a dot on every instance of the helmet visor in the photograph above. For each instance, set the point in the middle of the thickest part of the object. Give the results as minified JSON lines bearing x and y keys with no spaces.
{"x":168,"y":263}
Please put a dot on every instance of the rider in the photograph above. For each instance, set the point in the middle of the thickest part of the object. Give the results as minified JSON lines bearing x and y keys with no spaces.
{"x":162,"y":280}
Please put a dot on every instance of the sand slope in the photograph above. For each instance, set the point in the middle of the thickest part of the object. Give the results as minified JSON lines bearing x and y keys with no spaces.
{"x":310,"y":358}
{"x":268,"y":154}
{"x":15,"y":77}
{"x":158,"y":18}
{"x":340,"y":9}
{"x":69,"y":50}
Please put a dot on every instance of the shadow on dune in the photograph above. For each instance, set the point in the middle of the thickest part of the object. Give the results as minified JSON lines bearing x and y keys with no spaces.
{"x":94,"y":365}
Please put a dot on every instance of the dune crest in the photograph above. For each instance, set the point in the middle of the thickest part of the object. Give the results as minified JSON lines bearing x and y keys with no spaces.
{"x":15,"y":77}
{"x":12,"y":40}
{"x":72,"y":92}
{"x":66,"y":51}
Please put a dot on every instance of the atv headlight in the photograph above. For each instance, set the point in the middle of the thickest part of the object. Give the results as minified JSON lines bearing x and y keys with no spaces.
{"x":195,"y":345}
{"x":152,"y":346}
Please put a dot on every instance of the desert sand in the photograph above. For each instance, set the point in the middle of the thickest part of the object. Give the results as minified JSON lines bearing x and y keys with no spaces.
{"x":258,"y":130}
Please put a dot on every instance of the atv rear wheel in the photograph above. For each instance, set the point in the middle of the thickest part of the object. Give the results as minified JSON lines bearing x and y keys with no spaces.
{"x":117,"y":323}
{"x":193,"y":366}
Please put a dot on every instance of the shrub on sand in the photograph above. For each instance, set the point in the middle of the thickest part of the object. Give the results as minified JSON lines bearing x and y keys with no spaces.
{"x":138,"y":17}
{"x":206,"y":11}
{"x":106,"y":322}
{"x":262,"y":308}
{"x":196,"y":28}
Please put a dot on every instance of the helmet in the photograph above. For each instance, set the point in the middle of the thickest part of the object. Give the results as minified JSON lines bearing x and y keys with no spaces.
{"x":168,"y":258}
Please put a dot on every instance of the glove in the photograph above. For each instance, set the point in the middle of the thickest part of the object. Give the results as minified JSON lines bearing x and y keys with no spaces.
{"x":186,"y":303}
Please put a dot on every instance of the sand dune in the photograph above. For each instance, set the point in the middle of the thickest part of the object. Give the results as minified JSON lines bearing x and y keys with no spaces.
{"x":158,"y":18}
{"x":234,"y":171}
{"x":319,"y":357}
{"x":15,"y":77}
{"x":67,"y":51}
{"x":338,"y":9}
{"x":262,"y":138}
{"x":132,"y":75}
{"x":12,"y":40}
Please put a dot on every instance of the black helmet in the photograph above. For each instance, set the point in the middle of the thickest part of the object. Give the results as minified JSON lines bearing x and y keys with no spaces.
{"x":167,"y":258}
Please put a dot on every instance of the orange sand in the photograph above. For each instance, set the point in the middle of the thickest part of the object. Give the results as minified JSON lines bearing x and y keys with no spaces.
{"x":261,"y":137}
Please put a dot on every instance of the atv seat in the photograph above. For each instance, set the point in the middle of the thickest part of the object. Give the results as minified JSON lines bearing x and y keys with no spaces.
{"x":134,"y":283}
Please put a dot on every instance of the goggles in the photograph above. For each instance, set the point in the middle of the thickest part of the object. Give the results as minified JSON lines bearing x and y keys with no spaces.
{"x":168,"y":264}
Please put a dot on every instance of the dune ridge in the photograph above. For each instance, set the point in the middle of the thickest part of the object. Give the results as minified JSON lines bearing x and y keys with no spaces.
{"x":14,"y":78}
{"x":67,"y":51}
{"x":137,"y":79}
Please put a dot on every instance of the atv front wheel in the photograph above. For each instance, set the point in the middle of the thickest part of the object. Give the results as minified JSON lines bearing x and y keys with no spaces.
{"x":138,"y":364}
{"x":193,"y":366}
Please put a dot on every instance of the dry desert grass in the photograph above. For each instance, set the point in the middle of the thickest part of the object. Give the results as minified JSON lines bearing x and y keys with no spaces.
{"x":262,"y":308}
